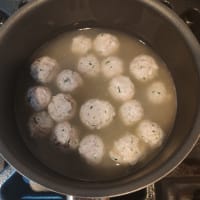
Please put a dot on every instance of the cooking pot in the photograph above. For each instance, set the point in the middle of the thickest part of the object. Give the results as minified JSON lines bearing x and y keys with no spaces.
{"x":41,"y":20}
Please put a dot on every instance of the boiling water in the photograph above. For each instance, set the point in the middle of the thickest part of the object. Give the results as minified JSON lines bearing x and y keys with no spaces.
{"x":70,"y":164}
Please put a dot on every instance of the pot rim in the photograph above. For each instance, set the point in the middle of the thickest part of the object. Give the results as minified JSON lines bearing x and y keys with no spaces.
{"x":120,"y":189}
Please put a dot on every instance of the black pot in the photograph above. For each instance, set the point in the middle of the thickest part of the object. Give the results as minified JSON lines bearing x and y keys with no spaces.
{"x":40,"y":20}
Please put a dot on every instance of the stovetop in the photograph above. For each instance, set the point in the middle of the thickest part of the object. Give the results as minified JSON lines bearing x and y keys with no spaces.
{"x":182,"y":184}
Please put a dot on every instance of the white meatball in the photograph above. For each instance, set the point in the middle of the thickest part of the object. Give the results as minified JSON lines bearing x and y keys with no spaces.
{"x":143,"y":68}
{"x":96,"y":114}
{"x":92,"y":149}
{"x":44,"y":69}
{"x":131,"y":112}
{"x":81,"y":44}
{"x":89,"y":65}
{"x":39,"y":97}
{"x":151,"y":133}
{"x":62,"y":107}
{"x":40,"y":124}
{"x":112,"y":66}
{"x":106,"y":44}
{"x":157,"y":93}
{"x":68,"y":80}
{"x":127,"y":150}
{"x":65,"y":136}
{"x":121,"y":88}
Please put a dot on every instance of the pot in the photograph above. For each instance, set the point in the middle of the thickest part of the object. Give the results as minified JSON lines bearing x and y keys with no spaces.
{"x":41,"y":20}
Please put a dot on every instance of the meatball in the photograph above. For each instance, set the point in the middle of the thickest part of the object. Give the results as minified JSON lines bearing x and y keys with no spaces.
{"x":40,"y":124}
{"x":68,"y":80}
{"x":112,"y":66}
{"x":150,"y":132}
{"x":44,"y":69}
{"x":121,"y":88}
{"x":89,"y":65}
{"x":62,"y":107}
{"x":106,"y":44}
{"x":39,"y":97}
{"x":65,"y":136}
{"x":81,"y":44}
{"x":143,"y":68}
{"x":92,"y":149}
{"x":157,"y":93}
{"x":96,"y":114}
{"x":131,"y":112}
{"x":127,"y":150}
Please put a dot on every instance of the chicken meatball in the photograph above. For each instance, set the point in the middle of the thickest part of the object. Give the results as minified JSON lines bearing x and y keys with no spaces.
{"x":91,"y":148}
{"x":62,"y":107}
{"x":157,"y":93}
{"x":40,"y":124}
{"x":126,"y":150}
{"x":121,"y":88}
{"x":65,"y":136}
{"x":131,"y":112}
{"x":96,"y":114}
{"x":112,"y":66}
{"x":89,"y":65}
{"x":39,"y":97}
{"x":143,"y":68}
{"x":151,"y":133}
{"x":44,"y":69}
{"x":106,"y":44}
{"x":81,"y":44}
{"x":68,"y":80}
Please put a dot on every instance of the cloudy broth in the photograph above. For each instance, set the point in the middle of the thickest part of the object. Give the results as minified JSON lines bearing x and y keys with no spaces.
{"x":70,"y":163}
